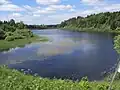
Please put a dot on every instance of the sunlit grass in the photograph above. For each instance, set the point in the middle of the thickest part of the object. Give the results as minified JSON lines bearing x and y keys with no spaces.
{"x":5,"y":45}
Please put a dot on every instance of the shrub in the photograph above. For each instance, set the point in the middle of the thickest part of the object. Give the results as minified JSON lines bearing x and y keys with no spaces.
{"x":8,"y":34}
{"x":117,"y":44}
{"x":24,"y":32}
{"x":19,"y":37}
{"x":2,"y":34}
{"x":10,"y":38}
{"x":8,"y":28}
{"x":118,"y":28}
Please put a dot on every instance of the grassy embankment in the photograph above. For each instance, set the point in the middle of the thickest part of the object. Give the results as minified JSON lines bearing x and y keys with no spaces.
{"x":5,"y":45}
{"x":11,"y":79}
{"x":91,"y":30}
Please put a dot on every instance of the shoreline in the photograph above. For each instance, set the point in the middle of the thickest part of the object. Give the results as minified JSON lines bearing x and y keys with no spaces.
{"x":91,"y":30}
{"x":14,"y":79}
{"x":6,"y":45}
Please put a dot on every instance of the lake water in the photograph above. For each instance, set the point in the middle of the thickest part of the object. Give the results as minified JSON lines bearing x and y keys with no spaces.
{"x":67,"y":55}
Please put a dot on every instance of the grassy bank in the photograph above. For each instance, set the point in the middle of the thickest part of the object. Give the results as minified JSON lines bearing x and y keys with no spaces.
{"x":91,"y":30}
{"x":15,"y":80}
{"x":5,"y":45}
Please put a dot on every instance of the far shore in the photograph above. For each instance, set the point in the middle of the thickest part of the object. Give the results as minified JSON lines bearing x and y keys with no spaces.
{"x":91,"y":30}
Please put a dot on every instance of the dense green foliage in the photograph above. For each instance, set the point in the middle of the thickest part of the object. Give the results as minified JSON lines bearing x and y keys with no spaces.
{"x":96,"y":22}
{"x":117,"y":44}
{"x":14,"y":80}
{"x":10,"y":30}
{"x":2,"y":34}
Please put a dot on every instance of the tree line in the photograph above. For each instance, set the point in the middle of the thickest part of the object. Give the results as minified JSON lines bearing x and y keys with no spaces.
{"x":41,"y":26}
{"x":101,"y":21}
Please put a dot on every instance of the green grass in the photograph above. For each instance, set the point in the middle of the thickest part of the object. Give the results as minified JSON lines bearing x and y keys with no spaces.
{"x":91,"y":30}
{"x":6,"y":45}
{"x":11,"y":79}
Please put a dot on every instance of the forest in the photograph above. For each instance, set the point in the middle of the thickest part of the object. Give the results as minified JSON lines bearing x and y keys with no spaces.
{"x":108,"y":21}
{"x":10,"y":30}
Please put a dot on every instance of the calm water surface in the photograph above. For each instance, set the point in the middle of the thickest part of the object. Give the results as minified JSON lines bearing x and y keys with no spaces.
{"x":67,"y":55}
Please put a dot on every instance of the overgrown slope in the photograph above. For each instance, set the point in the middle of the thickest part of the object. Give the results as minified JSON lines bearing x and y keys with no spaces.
{"x":10,"y":30}
{"x":108,"y":21}
{"x":14,"y":80}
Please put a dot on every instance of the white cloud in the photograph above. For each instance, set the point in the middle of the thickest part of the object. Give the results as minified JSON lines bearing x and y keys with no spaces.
{"x":36,"y":15}
{"x":10,"y":7}
{"x":47,"y":2}
{"x":6,"y":5}
{"x":29,"y":8}
{"x":72,"y":10}
{"x":43,"y":12}
{"x":90,"y":1}
{"x":47,"y":10}
{"x":36,"y":11}
{"x":113,"y":7}
{"x":4,"y":2}
{"x":59,"y":7}
{"x":16,"y":15}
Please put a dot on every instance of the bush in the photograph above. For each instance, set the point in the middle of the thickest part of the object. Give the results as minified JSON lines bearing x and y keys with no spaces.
{"x":118,"y":29}
{"x":2,"y":34}
{"x":24,"y":32}
{"x":19,"y":37}
{"x":18,"y":34}
{"x":8,"y":28}
{"x":10,"y":38}
{"x":8,"y":34}
{"x":117,"y":44}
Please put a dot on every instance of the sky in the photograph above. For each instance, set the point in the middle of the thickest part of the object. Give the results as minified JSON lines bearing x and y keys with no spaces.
{"x":53,"y":11}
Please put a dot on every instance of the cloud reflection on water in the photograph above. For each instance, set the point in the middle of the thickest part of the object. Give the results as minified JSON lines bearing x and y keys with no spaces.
{"x":11,"y":50}
{"x":66,"y":46}
{"x":42,"y":51}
